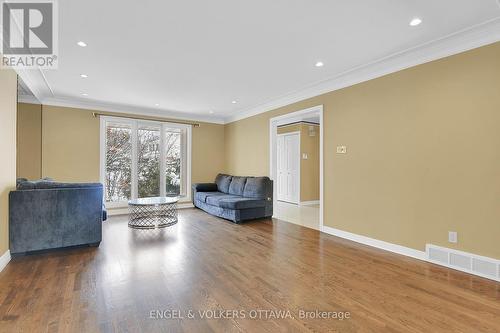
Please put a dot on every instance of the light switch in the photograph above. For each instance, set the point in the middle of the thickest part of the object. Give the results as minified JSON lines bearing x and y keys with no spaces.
{"x":341,"y":150}
{"x":304,"y":156}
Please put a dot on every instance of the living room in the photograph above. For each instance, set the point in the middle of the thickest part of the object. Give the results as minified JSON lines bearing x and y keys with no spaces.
{"x":174,"y":188}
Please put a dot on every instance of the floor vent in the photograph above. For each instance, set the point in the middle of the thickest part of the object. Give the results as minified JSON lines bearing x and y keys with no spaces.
{"x":463,"y":261}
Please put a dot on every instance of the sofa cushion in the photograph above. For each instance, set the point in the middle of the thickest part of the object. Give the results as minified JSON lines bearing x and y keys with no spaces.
{"x":202,"y":196}
{"x":223,"y":181}
{"x":214,"y":200}
{"x":44,"y":184}
{"x":25,"y":184}
{"x":237,"y":185}
{"x":20,"y":180}
{"x":240,"y":203}
{"x":258,"y":187}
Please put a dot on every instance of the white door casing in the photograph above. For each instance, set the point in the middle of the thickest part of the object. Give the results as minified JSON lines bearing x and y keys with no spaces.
{"x":273,"y":139}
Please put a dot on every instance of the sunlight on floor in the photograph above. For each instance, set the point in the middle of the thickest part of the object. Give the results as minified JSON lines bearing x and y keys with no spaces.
{"x":307,"y":216}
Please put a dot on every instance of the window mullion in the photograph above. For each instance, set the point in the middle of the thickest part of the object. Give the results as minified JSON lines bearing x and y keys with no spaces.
{"x":183,"y":162}
{"x":187,"y":150}
{"x":163,"y":166}
{"x":135,"y":169}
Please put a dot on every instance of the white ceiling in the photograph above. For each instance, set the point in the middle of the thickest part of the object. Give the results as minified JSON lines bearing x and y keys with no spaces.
{"x":192,"y":57}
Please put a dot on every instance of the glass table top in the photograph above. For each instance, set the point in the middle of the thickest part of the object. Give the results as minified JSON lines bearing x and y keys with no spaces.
{"x":153,"y":201}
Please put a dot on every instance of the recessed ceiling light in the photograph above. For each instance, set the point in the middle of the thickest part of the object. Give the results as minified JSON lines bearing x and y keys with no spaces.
{"x":157,"y":104}
{"x":84,"y":76}
{"x":234,"y":102}
{"x":319,"y":64}
{"x":85,"y":94}
{"x":82,"y":44}
{"x":416,"y":21}
{"x":211,"y":112}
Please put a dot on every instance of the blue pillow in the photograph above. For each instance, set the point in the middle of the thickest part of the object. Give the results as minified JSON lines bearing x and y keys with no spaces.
{"x":223,"y":181}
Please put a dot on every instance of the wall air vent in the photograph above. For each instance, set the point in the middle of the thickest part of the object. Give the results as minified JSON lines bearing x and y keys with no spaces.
{"x":466,"y":262}
{"x":438,"y":255}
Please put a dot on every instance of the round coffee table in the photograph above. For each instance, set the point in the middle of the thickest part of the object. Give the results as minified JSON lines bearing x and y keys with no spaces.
{"x":150,"y":213}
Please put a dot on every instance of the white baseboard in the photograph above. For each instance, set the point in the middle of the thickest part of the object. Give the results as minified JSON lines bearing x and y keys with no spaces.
{"x":4,"y":259}
{"x":124,"y":210}
{"x":185,"y":205}
{"x":117,"y":211}
{"x":309,"y":203}
{"x":403,"y":250}
{"x":420,"y":255}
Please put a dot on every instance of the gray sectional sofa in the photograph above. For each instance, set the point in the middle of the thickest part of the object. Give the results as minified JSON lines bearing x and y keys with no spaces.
{"x":45,"y":215}
{"x":235,"y":198}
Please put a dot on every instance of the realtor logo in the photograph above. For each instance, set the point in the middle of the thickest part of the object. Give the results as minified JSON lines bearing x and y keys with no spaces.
{"x":29,"y":34}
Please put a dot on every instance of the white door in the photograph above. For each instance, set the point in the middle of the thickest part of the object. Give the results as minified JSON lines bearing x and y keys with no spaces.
{"x":288,"y":159}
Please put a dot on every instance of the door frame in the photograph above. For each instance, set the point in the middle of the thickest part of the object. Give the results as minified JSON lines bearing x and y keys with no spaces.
{"x":300,"y":160}
{"x":273,"y":129}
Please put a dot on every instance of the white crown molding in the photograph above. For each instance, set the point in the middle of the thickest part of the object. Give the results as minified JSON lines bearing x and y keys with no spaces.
{"x":36,"y":82}
{"x":34,"y":78}
{"x":461,"y":41}
{"x":27,"y":99}
{"x":4,"y":259}
{"x":128,"y":109}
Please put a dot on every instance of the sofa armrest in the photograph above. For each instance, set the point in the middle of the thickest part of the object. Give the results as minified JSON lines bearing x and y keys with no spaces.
{"x":205,"y":187}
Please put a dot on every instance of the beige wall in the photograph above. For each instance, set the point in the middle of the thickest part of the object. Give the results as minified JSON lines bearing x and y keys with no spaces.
{"x":8,"y":107}
{"x":70,"y":146}
{"x":423,"y":153}
{"x":208,"y":152}
{"x":309,"y":168}
{"x":29,"y":141}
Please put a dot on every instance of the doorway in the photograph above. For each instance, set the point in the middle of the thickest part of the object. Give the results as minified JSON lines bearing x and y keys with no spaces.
{"x":296,"y":167}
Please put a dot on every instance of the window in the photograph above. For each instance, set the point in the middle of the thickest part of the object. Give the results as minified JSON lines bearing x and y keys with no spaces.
{"x":118,"y":179}
{"x":142,"y":159}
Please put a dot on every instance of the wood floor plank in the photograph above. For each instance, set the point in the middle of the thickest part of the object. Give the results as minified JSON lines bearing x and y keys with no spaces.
{"x":205,"y":263}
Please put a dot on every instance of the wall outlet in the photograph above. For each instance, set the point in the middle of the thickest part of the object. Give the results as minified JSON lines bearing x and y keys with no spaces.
{"x":452,"y":237}
{"x":341,"y":150}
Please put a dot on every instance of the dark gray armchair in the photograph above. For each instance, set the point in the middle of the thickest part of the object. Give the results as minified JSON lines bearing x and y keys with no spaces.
{"x":235,"y":198}
{"x":46,"y":215}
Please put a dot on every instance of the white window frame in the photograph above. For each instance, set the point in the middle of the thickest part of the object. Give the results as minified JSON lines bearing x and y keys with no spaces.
{"x":134,"y":125}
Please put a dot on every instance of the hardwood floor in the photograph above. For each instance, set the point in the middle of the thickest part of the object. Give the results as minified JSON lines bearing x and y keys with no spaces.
{"x":204,"y":263}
